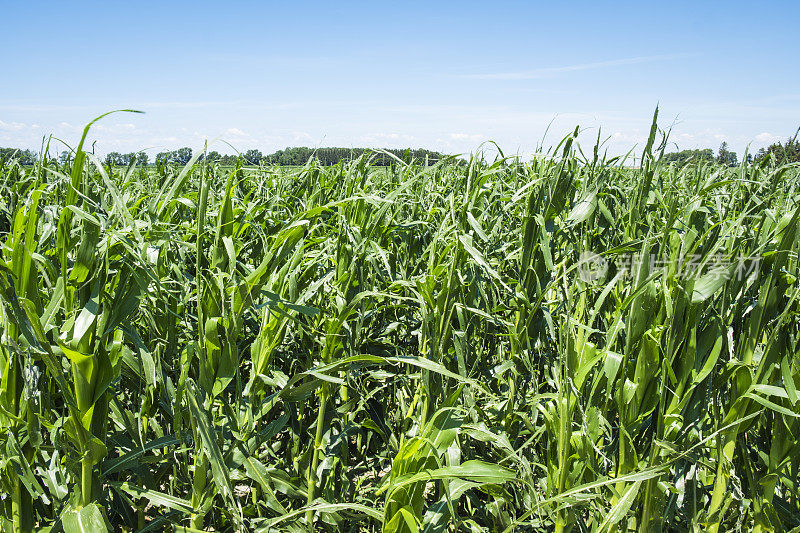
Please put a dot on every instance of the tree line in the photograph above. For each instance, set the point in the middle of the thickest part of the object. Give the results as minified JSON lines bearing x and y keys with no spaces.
{"x":25,"y":157}
{"x":116,"y":159}
{"x":299,"y":156}
{"x":786,"y":152}
{"x":330,"y":156}
{"x":725,"y":156}
{"x":296,"y":156}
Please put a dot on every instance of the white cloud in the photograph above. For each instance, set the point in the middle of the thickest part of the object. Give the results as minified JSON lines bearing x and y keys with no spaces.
{"x":466,"y":137}
{"x":767,"y":138}
{"x":12,"y":126}
{"x":299,"y":136}
{"x":449,"y":126}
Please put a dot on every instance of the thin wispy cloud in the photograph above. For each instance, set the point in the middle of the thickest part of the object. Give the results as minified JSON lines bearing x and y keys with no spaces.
{"x":549,"y":72}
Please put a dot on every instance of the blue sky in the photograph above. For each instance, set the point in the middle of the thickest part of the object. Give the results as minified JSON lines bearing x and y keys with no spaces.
{"x":448,"y":76}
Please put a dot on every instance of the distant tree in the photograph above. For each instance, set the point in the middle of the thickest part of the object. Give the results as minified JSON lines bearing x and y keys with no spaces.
{"x":213,"y":156}
{"x":182,"y":156}
{"x":685,"y":156}
{"x":294,"y":156}
{"x":253,"y":157}
{"x":65,"y":157}
{"x":23,"y":157}
{"x":138,"y":158}
{"x":114,"y":159}
{"x":725,"y":156}
{"x":228,"y":160}
{"x":788,"y":152}
{"x":331,"y":156}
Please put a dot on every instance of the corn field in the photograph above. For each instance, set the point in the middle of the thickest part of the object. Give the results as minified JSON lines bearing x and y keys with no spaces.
{"x":562,"y":344}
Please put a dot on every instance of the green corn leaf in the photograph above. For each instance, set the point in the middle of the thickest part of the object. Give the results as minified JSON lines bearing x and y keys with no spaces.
{"x":89,"y":519}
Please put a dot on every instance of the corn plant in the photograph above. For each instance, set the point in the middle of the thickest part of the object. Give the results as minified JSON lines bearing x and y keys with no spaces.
{"x":566,"y":343}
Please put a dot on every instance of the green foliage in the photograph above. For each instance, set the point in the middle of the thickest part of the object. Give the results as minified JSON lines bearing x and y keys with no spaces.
{"x":690,"y":156}
{"x":24,"y":157}
{"x":444,"y":347}
{"x":253,"y":157}
{"x":123,"y":160}
{"x":781,"y":153}
{"x":287,"y":157}
{"x":333,"y":156}
{"x":181,"y":156}
{"x":725,"y":156}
